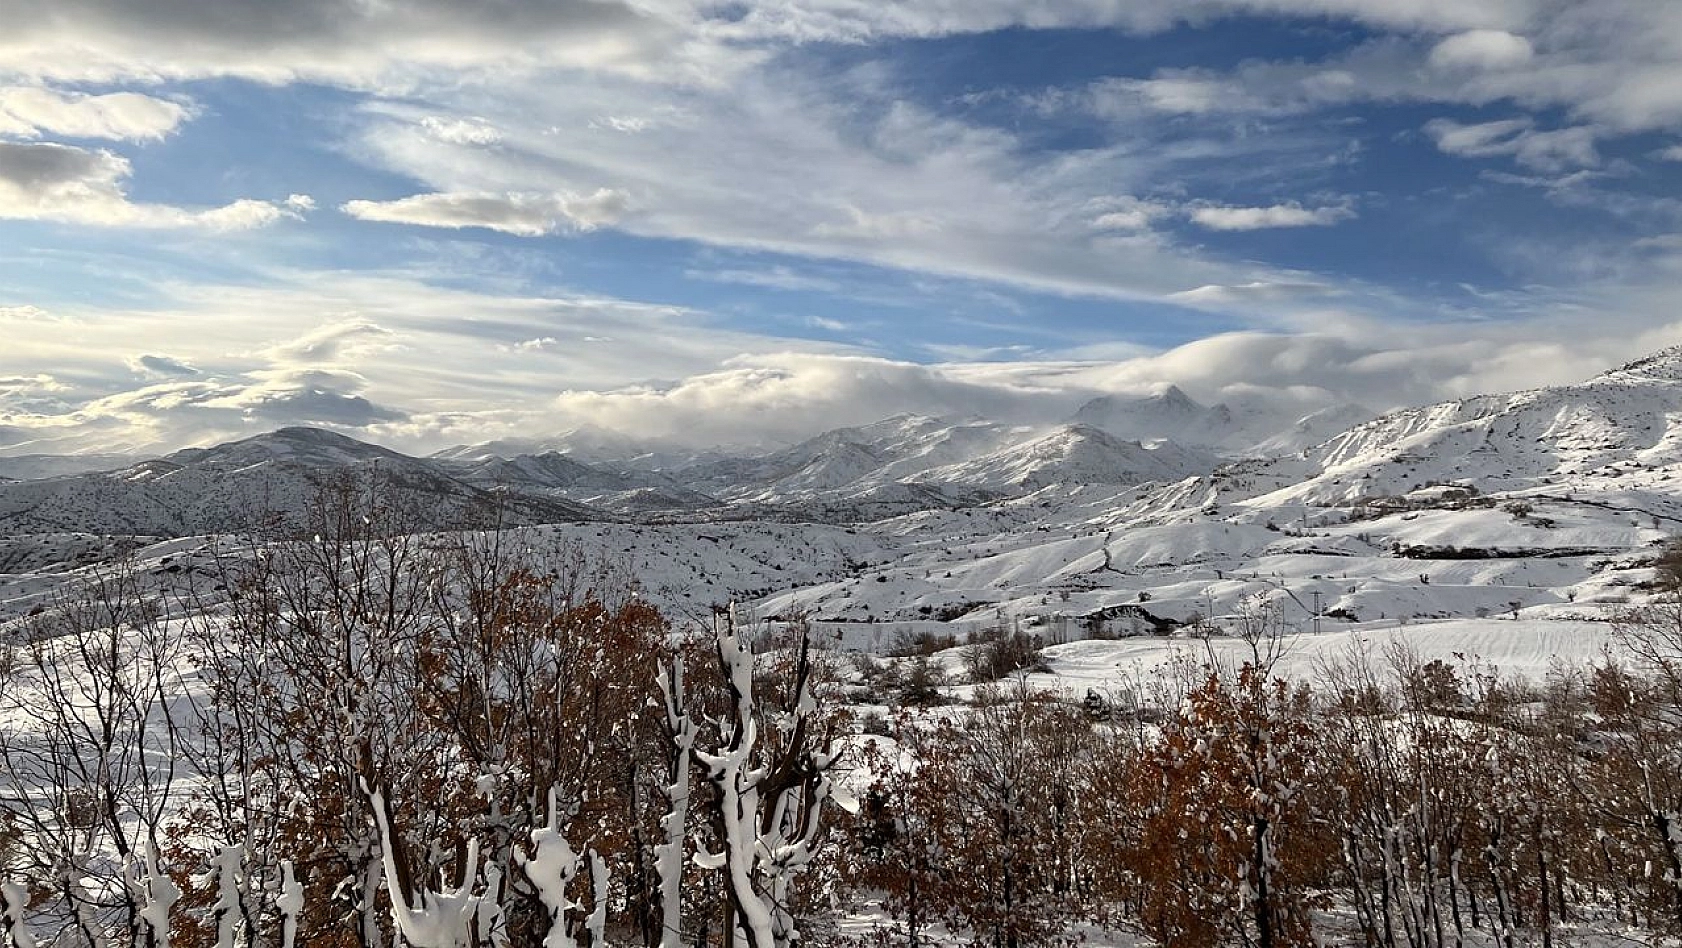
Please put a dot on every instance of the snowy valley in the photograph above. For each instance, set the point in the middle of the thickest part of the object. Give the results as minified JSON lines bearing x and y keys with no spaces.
{"x":1489,"y":546}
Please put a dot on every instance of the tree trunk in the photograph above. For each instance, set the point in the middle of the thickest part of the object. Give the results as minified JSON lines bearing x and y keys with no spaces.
{"x":1264,"y":906}
{"x":1454,"y":896}
{"x":1663,"y":822}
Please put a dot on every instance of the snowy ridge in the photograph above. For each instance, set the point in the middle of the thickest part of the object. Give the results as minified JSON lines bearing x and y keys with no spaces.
{"x":1312,"y":430}
{"x":1073,"y":454}
{"x":28,"y":467}
{"x":267,"y":483}
{"x":1244,"y":428}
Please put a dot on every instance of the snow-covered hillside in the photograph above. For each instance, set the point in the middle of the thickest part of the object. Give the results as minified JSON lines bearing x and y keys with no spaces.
{"x":268,"y":483}
{"x":1497,"y":512}
{"x":27,"y":467}
{"x":1505,"y":535}
{"x":1238,"y":428}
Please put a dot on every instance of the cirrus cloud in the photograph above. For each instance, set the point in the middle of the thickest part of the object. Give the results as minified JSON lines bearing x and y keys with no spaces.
{"x":1544,"y":150}
{"x":521,"y":214}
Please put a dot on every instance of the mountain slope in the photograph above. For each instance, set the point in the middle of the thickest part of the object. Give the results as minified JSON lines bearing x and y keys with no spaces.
{"x":29,"y":467}
{"x":1623,"y":424}
{"x":271,"y":482}
{"x":1154,"y":416}
{"x":1071,"y":454}
{"x":1312,"y":429}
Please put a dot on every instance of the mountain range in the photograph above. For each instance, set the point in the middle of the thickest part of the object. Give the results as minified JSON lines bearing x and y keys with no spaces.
{"x":894,"y":466}
{"x":1153,"y":457}
{"x":1487,"y":522}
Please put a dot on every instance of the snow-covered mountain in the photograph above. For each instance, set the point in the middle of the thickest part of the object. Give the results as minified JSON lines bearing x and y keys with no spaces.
{"x":592,"y":444}
{"x":1240,"y":428}
{"x":1072,"y":455}
{"x":913,"y":462}
{"x":1541,"y":505}
{"x":559,"y":475}
{"x":850,"y":460}
{"x":1613,"y":430}
{"x":1153,"y":416}
{"x":29,"y":467}
{"x":270,"y":482}
{"x":1311,"y":430}
{"x":1617,"y":432}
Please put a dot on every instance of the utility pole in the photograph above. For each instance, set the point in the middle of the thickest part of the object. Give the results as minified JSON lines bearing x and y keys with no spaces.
{"x":1316,"y":612}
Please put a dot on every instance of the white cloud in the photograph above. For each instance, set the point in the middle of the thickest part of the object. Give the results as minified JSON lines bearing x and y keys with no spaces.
{"x":629,"y":124}
{"x":316,"y":396}
{"x":461,"y":131}
{"x":348,"y":339}
{"x":1221,"y":297}
{"x":337,"y":41}
{"x":790,"y":395}
{"x":161,"y":365}
{"x":1557,"y":184}
{"x":1388,"y":366}
{"x":29,"y":111}
{"x":833,"y":166}
{"x":786,"y":396}
{"x":1127,"y":213}
{"x":51,"y":181}
{"x":524,"y":214}
{"x":877,"y":225}
{"x":420,"y":366}
{"x":535,"y":345}
{"x":1290,"y":214}
{"x":349,"y":349}
{"x":1137,"y":219}
{"x":351,"y":42}
{"x":1481,"y":49}
{"x":26,"y":312}
{"x":1181,"y":92}
{"x":14,"y":388}
{"x":244,"y":214}
{"x":1484,"y":138}
{"x":773,"y":278}
{"x":183,"y":411}
{"x":860,"y":20}
{"x":825,"y":167}
{"x":1378,"y":70}
{"x":1550,"y":150}
{"x":1607,"y":63}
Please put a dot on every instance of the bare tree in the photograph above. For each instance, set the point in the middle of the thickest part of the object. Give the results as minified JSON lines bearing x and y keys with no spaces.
{"x":89,"y":753}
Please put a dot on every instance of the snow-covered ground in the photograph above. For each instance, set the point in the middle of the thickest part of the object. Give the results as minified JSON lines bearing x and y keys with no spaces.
{"x":1509,"y":527}
{"x":1504,"y":535}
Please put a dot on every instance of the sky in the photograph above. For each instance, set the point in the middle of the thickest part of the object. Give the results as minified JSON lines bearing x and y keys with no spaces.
{"x":745,"y":221}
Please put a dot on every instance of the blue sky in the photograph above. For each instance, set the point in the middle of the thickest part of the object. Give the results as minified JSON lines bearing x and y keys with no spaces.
{"x":440,"y":222}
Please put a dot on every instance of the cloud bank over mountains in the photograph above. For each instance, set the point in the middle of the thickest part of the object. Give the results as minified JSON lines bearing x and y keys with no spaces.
{"x":407,"y":371}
